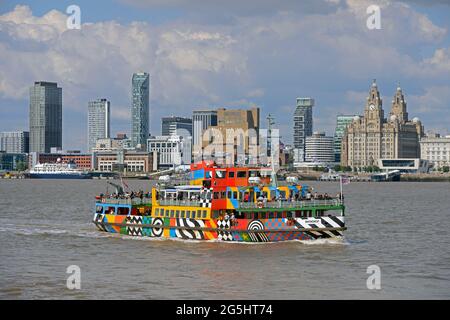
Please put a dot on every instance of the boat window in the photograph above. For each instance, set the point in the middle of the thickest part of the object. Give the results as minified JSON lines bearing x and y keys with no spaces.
{"x":110,"y":210}
{"x":249,"y":215}
{"x":162,"y":212}
{"x":255,"y":173}
{"x":156,"y":212}
{"x":172,"y":213}
{"x":182,"y":213}
{"x":220,"y":174}
{"x":271,"y":214}
{"x":289,"y":214}
{"x":223,"y":195}
{"x":229,"y":195}
{"x":216,"y":195}
{"x":188,"y":214}
{"x":242,"y":174}
{"x":177,"y":213}
{"x":231,"y":174}
{"x":123,"y":211}
{"x":208,"y":174}
{"x":98,"y":209}
{"x":235,"y":195}
{"x":204,"y":214}
{"x":215,"y":214}
{"x":263,"y":215}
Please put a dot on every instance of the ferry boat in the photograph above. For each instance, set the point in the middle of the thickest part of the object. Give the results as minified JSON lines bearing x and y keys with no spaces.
{"x":58,"y":170}
{"x":230,"y":204}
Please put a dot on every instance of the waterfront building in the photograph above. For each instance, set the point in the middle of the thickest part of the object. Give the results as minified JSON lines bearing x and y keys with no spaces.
{"x":319,"y":148}
{"x":98,"y":121}
{"x":436,"y":149}
{"x":172,"y":126}
{"x":244,"y":125}
{"x":342,"y":121}
{"x":120,"y":142}
{"x":45,"y":116}
{"x":124,"y":161}
{"x":372,"y":136}
{"x":303,"y":126}
{"x":15,"y":141}
{"x":170,"y":150}
{"x":140,"y":109}
{"x":201,"y":121}
{"x":404,"y":165}
{"x":13,"y":161}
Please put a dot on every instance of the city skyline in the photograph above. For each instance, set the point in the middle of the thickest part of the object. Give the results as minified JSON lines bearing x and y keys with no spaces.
{"x":196,"y":64}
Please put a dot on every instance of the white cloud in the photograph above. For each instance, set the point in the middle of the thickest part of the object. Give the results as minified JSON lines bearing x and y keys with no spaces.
{"x":265,"y":60}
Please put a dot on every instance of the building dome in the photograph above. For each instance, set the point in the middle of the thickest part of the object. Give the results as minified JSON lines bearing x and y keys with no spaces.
{"x":415,"y":120}
{"x":393,"y":117}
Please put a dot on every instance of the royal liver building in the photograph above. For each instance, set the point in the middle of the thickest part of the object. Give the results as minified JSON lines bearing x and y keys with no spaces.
{"x":373,"y":137}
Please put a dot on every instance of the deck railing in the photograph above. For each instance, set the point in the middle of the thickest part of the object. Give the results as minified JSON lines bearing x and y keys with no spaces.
{"x":289,"y":204}
{"x":128,"y":201}
{"x":186,"y":203}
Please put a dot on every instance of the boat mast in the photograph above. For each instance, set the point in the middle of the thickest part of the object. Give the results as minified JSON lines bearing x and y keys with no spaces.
{"x":273,"y":175}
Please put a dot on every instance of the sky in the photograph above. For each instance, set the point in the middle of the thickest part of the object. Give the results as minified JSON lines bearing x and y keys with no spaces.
{"x":233,"y":54}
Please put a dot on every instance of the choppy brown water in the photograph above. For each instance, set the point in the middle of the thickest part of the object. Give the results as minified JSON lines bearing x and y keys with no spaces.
{"x":401,"y":227}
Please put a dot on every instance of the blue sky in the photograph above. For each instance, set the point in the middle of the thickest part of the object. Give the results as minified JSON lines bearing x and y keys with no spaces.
{"x":225,"y":54}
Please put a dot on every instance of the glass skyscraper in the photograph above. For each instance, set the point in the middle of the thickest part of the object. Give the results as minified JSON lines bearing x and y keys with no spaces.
{"x":342,"y":121}
{"x":303,"y":126}
{"x":98,"y":121}
{"x":15,"y":141}
{"x":45,"y":116}
{"x":140,"y":110}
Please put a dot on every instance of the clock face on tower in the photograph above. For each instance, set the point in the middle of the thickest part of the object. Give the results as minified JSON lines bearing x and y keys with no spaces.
{"x":372,"y":107}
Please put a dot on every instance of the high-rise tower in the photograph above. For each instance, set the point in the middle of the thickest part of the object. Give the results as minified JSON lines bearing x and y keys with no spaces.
{"x":303,"y":126}
{"x":98,"y":121}
{"x":140,"y":109}
{"x":45,"y":116}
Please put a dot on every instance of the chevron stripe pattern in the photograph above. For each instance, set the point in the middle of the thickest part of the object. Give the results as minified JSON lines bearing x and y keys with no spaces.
{"x":98,"y":221}
{"x":134,"y":231}
{"x":322,"y":222}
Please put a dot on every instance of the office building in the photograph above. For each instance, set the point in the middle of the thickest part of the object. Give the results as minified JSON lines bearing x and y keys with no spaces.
{"x":201,"y":121}
{"x":172,"y":126}
{"x":98,"y":121}
{"x":15,"y":141}
{"x":171,"y":150}
{"x":342,"y":121}
{"x":235,"y":138}
{"x":120,"y":142}
{"x":303,"y":126}
{"x":319,"y":148}
{"x":124,"y":161}
{"x":436,"y":150}
{"x":45,"y":116}
{"x":13,"y":161}
{"x":140,"y":109}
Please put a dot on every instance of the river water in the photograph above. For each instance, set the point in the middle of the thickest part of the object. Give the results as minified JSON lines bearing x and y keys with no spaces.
{"x":403,"y":228}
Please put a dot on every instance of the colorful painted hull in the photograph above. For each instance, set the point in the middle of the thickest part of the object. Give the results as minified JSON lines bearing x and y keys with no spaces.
{"x":265,"y":230}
